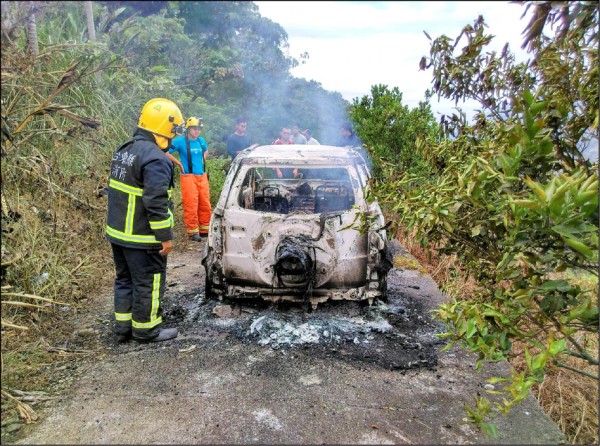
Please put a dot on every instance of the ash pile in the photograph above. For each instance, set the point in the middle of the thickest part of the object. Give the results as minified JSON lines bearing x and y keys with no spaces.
{"x":276,"y":333}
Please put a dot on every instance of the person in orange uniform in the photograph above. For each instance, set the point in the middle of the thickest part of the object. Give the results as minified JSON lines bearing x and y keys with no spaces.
{"x":195,"y":191}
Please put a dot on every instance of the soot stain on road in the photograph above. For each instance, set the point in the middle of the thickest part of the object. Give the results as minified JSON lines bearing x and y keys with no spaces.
{"x":397,"y":334}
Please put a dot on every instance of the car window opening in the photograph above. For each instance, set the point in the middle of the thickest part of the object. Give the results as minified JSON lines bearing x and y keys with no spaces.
{"x":299,"y":190}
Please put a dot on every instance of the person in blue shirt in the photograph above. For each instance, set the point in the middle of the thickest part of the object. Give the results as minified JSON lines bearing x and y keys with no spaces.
{"x":349,"y":139}
{"x":239,"y":140}
{"x":195,"y":191}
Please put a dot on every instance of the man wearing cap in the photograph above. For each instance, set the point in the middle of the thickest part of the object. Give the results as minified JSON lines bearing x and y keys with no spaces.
{"x":195,"y":192}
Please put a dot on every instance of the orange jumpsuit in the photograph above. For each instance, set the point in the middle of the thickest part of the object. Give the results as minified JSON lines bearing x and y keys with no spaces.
{"x":195,"y":190}
{"x":195,"y":195}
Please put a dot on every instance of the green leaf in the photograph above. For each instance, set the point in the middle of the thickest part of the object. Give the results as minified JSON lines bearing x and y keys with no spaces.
{"x":539,"y":190}
{"x":489,"y":430}
{"x":528,"y":97}
{"x":557,"y":346}
{"x":526,"y":204}
{"x":471,"y":328}
{"x":551,"y":285}
{"x":571,"y":230}
{"x":539,"y":361}
{"x":590,"y":196}
{"x":496,"y":379}
{"x":537,"y":108}
{"x":579,"y":246}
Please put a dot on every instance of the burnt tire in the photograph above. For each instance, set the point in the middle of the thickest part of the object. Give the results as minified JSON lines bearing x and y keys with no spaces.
{"x":208,"y":289}
{"x":388,"y":264}
{"x":383,"y":288}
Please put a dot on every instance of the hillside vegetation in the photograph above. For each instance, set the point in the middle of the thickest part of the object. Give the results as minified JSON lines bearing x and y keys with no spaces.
{"x":507,"y":205}
{"x":502,"y":210}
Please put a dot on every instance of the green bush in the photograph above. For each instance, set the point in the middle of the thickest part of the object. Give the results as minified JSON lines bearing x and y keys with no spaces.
{"x":511,"y":195}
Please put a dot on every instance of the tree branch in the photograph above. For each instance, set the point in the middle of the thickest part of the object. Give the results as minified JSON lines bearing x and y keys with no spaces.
{"x":576,"y":370}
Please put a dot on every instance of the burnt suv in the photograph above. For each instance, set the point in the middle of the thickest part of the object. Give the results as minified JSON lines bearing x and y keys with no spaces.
{"x":293,"y":223}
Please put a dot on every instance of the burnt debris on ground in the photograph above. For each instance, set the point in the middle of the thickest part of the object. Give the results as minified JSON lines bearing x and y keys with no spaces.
{"x":397,"y":334}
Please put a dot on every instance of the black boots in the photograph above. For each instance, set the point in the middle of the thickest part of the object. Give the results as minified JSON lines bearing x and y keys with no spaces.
{"x":164,"y":334}
{"x":123,"y":337}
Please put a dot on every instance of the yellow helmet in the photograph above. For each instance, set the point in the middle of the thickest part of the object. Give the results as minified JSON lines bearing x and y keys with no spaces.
{"x":161,"y":117}
{"x":194,"y":122}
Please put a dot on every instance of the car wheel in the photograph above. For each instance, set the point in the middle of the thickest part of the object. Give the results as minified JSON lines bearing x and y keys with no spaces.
{"x":383,"y":288}
{"x":208,"y":290}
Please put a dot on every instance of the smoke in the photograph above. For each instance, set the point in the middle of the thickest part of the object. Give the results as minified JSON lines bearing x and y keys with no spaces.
{"x":276,"y":102}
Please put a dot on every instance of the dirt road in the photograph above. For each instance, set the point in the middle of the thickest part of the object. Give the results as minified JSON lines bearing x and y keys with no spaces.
{"x":260,"y":373}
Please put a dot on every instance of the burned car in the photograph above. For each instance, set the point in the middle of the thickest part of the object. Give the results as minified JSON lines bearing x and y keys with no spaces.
{"x":287,"y":226}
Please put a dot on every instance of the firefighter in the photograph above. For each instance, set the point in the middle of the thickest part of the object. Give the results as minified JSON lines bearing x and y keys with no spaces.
{"x":195,"y":192}
{"x":140,"y":222}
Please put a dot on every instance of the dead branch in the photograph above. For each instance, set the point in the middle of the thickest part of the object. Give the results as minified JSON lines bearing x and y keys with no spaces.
{"x":26,"y":413}
{"x":63,"y":110}
{"x":85,"y":121}
{"x":67,"y":79}
{"x":576,"y":370}
{"x":66,"y":352}
{"x":32,"y":396}
{"x":33,"y":296}
{"x":14,"y":260}
{"x":78,"y":266}
{"x":21,"y":304}
{"x":9,"y":325}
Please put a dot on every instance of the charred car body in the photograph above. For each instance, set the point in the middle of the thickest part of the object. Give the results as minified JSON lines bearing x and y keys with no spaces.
{"x":285,"y":228}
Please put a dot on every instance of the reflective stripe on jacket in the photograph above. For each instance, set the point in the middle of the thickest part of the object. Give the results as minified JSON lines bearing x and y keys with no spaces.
{"x":140,"y":209}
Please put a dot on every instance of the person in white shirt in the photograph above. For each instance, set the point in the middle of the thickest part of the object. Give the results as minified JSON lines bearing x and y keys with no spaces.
{"x":309,"y":138}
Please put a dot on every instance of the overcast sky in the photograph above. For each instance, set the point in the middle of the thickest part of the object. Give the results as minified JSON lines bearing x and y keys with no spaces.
{"x":354,"y":45}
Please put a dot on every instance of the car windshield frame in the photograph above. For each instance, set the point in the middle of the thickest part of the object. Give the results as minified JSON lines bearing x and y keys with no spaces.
{"x":304,"y":195}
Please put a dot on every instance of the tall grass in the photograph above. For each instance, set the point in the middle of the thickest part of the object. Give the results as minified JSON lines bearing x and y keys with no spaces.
{"x":54,"y":169}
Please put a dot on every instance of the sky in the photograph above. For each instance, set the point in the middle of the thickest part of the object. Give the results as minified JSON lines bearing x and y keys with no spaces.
{"x":353,"y":45}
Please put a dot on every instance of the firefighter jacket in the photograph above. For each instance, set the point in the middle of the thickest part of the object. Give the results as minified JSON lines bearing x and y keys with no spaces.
{"x":140,"y":209}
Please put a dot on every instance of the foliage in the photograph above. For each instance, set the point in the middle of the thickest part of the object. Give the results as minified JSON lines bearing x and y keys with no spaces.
{"x":55,"y":153}
{"x":513,"y":197}
{"x":58,"y":132}
{"x":390,"y":129}
{"x":216,"y":168}
{"x":175,"y":53}
{"x":511,"y":194}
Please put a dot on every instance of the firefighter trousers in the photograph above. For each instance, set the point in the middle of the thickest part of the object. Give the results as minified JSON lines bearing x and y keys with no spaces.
{"x":139,"y":289}
{"x":195,"y":196}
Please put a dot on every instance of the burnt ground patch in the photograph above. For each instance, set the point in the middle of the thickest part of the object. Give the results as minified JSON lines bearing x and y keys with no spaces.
{"x":397,"y":334}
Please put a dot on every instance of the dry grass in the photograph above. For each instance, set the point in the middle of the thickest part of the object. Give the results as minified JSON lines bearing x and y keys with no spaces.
{"x":570,"y":399}
{"x":53,"y":256}
{"x":444,"y":270}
